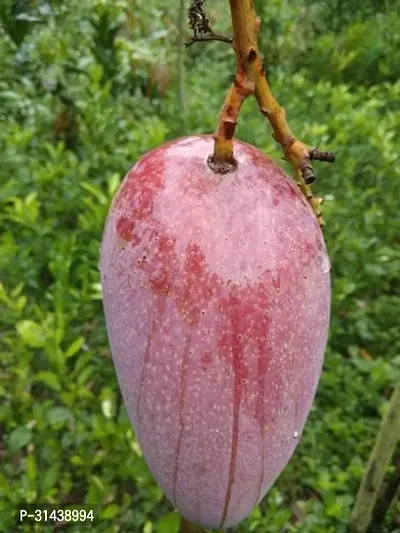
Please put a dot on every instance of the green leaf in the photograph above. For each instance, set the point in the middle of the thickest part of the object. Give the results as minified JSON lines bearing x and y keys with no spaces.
{"x":49,"y":379}
{"x":86,"y":374}
{"x":111,"y":511}
{"x":58,"y":415}
{"x":49,"y":478}
{"x":148,"y":527}
{"x":31,"y":333}
{"x":113,"y":184}
{"x":31,"y":469}
{"x":75,"y":347}
{"x":95,"y":191}
{"x":77,"y":460}
{"x":19,"y":438}
{"x":169,"y":523}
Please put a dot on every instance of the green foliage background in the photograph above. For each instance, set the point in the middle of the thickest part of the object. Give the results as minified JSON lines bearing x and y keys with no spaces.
{"x":86,"y":88}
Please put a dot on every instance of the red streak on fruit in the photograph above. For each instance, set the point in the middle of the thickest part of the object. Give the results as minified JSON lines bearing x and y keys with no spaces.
{"x":240,"y":374}
{"x":182,"y":396}
{"x":140,"y":189}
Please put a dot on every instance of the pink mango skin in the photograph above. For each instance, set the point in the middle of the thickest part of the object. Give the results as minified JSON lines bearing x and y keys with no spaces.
{"x":217,"y":300}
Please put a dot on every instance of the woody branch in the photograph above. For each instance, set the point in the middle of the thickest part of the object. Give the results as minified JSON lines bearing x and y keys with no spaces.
{"x":250,"y":79}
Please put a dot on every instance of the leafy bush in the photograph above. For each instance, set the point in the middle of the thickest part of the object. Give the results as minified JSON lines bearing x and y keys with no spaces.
{"x":363,"y":53}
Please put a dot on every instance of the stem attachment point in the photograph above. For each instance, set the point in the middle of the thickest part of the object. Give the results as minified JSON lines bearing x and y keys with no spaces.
{"x":221,"y":166}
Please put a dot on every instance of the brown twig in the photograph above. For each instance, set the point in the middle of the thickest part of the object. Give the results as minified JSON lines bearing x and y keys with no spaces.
{"x":222,"y":159}
{"x":318,"y":155}
{"x":250,"y":79}
{"x":210,"y":37}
